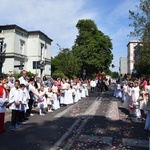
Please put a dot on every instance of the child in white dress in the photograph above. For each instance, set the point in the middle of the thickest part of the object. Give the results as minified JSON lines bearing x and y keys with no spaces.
{"x":49,"y":99}
{"x":56,"y":94}
{"x":41,"y":100}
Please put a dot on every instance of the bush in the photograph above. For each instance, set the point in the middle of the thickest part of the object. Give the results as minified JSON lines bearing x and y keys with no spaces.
{"x":29,"y":75}
{"x":57,"y":74}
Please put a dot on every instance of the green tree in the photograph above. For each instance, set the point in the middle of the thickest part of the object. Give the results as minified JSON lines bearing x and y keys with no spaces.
{"x":114,"y":74}
{"x":92,"y":48}
{"x":65,"y":63}
{"x":141,"y":20}
{"x":141,"y":24}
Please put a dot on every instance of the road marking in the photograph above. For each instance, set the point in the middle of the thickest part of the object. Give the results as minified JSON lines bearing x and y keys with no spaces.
{"x":135,"y":142}
{"x":59,"y":142}
{"x":88,"y":112}
{"x":112,"y":112}
{"x":100,"y":139}
{"x":65,"y":111}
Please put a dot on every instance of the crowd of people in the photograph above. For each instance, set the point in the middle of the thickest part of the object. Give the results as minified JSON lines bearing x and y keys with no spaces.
{"x":20,"y":95}
{"x":135,"y":96}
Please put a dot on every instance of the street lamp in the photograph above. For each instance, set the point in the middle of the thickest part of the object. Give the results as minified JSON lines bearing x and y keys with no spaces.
{"x":59,"y":46}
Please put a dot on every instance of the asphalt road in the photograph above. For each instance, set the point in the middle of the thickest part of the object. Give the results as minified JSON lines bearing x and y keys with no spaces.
{"x":94,"y":123}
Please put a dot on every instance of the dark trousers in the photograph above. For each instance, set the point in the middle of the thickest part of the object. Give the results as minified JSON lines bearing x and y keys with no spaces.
{"x":14,"y":117}
{"x":21,"y":116}
{"x":2,"y":117}
{"x":92,"y":89}
{"x":30,"y":104}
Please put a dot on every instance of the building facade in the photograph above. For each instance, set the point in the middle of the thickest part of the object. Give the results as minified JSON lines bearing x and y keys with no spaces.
{"x":130,"y":55}
{"x":123,"y":65}
{"x":21,"y":49}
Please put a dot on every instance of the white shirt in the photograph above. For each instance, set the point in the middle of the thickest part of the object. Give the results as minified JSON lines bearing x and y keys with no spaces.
{"x":15,"y":95}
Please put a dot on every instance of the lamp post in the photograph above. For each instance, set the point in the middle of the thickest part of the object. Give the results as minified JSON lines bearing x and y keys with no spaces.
{"x":59,"y":46}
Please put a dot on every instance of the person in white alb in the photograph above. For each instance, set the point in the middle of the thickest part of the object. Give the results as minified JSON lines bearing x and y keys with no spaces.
{"x":15,"y":98}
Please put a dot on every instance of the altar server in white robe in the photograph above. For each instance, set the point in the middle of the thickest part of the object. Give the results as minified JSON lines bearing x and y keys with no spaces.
{"x":15,"y":99}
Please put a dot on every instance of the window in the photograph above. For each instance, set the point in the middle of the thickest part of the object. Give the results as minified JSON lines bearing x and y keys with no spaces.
{"x":1,"y":46}
{"x":22,"y":47}
{"x":42,"y":51}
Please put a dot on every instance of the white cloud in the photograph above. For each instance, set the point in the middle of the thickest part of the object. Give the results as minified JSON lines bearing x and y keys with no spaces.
{"x":56,"y":18}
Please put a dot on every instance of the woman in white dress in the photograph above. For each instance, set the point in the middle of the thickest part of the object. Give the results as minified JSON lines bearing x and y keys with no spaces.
{"x":63,"y":93}
{"x":82,"y":89}
{"x":118,"y":91}
{"x":74,"y":89}
{"x":69,"y":94}
{"x":142,"y":101}
{"x":86,"y":88}
{"x":134,"y":98}
{"x":78,"y":91}
{"x":124,"y":95}
{"x":128,"y":96}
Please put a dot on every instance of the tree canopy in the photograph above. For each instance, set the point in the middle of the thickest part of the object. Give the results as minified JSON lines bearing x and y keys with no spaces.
{"x":91,"y":52}
{"x":66,"y":63}
{"x":92,"y":47}
{"x":141,"y":24}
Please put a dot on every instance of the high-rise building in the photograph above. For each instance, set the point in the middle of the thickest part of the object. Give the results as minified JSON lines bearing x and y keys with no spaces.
{"x":123,"y":65}
{"x":130,"y":55}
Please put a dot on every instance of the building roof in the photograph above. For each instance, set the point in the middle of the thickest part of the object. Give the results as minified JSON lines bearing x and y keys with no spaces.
{"x":39,"y":33}
{"x":14,"y":26}
{"x":133,"y":41}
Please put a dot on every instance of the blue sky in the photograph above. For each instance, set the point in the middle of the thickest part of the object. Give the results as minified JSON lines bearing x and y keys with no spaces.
{"x":58,"y":19}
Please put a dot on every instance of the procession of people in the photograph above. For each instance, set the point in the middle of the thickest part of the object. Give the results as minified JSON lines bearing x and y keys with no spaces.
{"x":135,"y":97}
{"x":22,"y":94}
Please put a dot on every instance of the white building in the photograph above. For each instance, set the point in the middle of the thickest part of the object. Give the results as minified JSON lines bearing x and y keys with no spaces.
{"x":130,"y":55}
{"x":123,"y":65}
{"x":21,"y":49}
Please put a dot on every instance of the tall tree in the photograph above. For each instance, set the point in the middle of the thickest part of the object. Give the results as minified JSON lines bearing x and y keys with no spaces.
{"x":141,"y":20}
{"x":92,"y":47}
{"x":141,"y":24}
